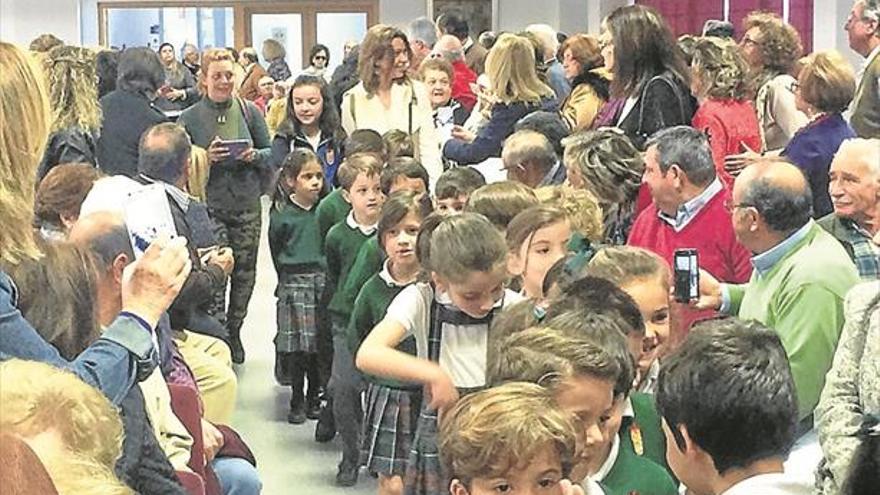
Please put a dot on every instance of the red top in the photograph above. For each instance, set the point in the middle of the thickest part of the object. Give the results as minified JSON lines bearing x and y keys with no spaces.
{"x":710,"y":232}
{"x":729,"y":123}
{"x":462,"y":77}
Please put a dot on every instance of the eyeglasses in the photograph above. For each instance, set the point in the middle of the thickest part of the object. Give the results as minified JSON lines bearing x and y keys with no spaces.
{"x":320,"y":57}
{"x":749,"y":41}
{"x":731,"y":206}
{"x":795,"y":86}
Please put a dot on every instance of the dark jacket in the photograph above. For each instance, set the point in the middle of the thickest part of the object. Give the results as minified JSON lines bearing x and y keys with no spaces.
{"x":664,"y":101}
{"x":491,"y":137}
{"x":203,"y":280}
{"x":126,"y":116}
{"x":329,"y":152}
{"x":833,"y":224}
{"x":73,"y":145}
{"x":278,"y":69}
{"x":143,"y":465}
{"x":179,"y":78}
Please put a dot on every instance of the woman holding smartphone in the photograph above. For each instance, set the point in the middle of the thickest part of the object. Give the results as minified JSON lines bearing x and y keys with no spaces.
{"x":234,"y":134}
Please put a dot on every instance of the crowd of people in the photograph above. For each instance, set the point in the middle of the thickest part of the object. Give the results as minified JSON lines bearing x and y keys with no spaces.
{"x":477,"y":243}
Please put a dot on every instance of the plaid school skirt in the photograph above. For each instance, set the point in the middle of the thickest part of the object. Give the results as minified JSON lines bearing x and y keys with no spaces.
{"x":297,"y":316}
{"x":389,"y":425}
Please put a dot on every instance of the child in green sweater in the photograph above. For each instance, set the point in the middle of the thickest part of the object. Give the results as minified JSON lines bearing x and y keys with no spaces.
{"x":296,"y":252}
{"x":392,"y":406}
{"x":359,"y":179}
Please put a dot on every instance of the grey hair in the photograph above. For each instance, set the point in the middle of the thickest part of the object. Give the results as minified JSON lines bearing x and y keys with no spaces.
{"x":529,"y":146}
{"x":109,"y":244}
{"x":871,"y":12}
{"x":689,"y":149}
{"x":547,"y":36}
{"x":163,"y":151}
{"x":784,"y":209}
{"x":424,"y":30}
{"x":866,"y":151}
{"x":250,"y":53}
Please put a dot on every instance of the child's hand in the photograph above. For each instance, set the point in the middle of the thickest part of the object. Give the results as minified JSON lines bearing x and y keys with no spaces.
{"x":441,"y":391}
{"x":569,"y":488}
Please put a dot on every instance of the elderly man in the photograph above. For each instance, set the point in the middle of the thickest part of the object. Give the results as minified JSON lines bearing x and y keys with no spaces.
{"x":550,"y":45}
{"x":529,"y":158}
{"x":104,"y":235}
{"x":688,"y":210}
{"x":253,"y":73}
{"x":449,"y":47}
{"x":801,"y":276}
{"x":454,"y":22}
{"x":422,"y":37}
{"x":863,"y":31}
{"x":854,"y":186}
{"x":191,"y":59}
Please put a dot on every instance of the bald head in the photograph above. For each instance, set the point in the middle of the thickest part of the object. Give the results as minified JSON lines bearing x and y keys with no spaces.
{"x":779,"y":191}
{"x":104,"y":235}
{"x":450,"y":47}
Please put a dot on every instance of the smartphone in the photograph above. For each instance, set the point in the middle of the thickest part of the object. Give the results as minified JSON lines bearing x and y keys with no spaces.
{"x":236,"y":146}
{"x":147,"y":216}
{"x":686,"y":275}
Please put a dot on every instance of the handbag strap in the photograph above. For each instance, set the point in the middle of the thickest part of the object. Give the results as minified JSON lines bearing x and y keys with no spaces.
{"x":675,"y":91}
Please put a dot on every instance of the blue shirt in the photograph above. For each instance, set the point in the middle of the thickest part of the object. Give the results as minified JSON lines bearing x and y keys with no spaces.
{"x":112,"y":364}
{"x":687,"y":211}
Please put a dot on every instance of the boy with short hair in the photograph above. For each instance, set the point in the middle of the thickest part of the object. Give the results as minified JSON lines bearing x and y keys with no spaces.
{"x":501,"y":201}
{"x":333,"y":208}
{"x":359,"y":180}
{"x":454,"y":187}
{"x":508,"y":438}
{"x":729,"y":410}
{"x":404,"y":173}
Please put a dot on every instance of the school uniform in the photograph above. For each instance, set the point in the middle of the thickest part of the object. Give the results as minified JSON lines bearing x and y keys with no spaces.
{"x":641,"y":432}
{"x":295,"y":245}
{"x":459,"y":344}
{"x":346,"y":383}
{"x":624,"y":472}
{"x":392,"y":406}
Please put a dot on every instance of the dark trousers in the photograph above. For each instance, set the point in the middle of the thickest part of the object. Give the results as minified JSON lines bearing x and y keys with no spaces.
{"x":239,"y":230}
{"x":346,"y":386}
{"x":303,"y":365}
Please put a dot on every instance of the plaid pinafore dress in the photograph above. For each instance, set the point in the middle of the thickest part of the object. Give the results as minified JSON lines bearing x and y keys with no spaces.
{"x":424,"y":473}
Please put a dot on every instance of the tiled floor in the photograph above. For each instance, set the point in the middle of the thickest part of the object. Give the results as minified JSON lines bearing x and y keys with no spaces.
{"x":288,"y":458}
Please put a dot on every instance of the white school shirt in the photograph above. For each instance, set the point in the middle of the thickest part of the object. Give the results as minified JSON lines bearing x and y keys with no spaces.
{"x":463,"y":347}
{"x":769,"y":484}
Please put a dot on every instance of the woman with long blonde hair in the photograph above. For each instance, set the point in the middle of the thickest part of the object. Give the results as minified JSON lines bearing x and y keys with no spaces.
{"x":76,"y":114}
{"x":516,"y":92}
{"x":125,"y":351}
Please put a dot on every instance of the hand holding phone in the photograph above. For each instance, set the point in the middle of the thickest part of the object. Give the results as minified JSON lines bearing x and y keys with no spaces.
{"x":686,"y":270}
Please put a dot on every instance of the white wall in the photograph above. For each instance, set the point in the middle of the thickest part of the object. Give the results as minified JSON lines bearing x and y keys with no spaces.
{"x":23,"y":20}
{"x":829,"y":17}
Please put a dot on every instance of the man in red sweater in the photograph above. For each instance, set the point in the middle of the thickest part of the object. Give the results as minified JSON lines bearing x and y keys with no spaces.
{"x":449,"y":47}
{"x":688,"y":211}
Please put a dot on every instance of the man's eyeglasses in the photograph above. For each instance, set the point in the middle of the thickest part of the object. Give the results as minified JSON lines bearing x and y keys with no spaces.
{"x":731,"y":206}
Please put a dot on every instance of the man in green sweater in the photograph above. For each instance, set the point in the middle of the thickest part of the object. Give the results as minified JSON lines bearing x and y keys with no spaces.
{"x":801,"y":275}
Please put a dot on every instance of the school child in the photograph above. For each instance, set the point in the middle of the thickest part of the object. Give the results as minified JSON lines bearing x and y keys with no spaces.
{"x":392,"y":407}
{"x":359,"y":180}
{"x":583,"y":211}
{"x":511,"y":438}
{"x":729,"y":407}
{"x":311,"y":122}
{"x":296,"y":253}
{"x":454,"y":187}
{"x":333,"y":208}
{"x":501,"y":201}
{"x":398,"y":144}
{"x":536,"y":239}
{"x":582,"y":378}
{"x":449,"y":318}
{"x":645,"y":277}
{"x":404,"y":172}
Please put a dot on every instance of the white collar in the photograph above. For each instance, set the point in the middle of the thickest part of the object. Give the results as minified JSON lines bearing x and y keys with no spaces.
{"x":609,"y":461}
{"x":769,"y":484}
{"x":365,"y":229}
{"x":300,"y":205}
{"x":385,"y":275}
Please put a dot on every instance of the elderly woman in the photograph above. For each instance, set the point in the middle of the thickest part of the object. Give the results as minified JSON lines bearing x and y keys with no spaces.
{"x":73,"y":93}
{"x":274,"y":53}
{"x":852,"y":387}
{"x":179,"y":90}
{"x":726,"y":112}
{"x":129,"y":111}
{"x":607,"y":164}
{"x":516,"y":92}
{"x":437,"y":75}
{"x":319,"y":59}
{"x":650,"y":78}
{"x":387,"y":99}
{"x":771,"y":47}
{"x":234,"y":134}
{"x":583,"y":65}
{"x":823,"y":92}
{"x":124,"y":352}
